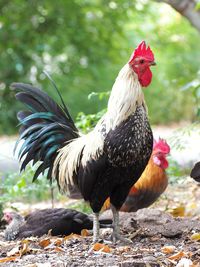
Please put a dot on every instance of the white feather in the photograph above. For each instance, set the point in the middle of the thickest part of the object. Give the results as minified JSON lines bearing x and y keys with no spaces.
{"x":125,"y":96}
{"x":90,"y":146}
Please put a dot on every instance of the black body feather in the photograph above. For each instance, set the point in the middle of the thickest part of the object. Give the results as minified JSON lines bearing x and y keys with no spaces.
{"x":195,"y":172}
{"x":60,"y":221}
{"x":45,"y":128}
{"x":126,"y":152}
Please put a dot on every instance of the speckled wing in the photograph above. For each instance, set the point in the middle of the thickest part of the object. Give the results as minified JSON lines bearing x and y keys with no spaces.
{"x":131,"y":141}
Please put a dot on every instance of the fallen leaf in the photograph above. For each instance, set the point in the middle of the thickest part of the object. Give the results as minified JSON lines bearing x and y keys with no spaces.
{"x":24,"y":247}
{"x":123,"y":249}
{"x":192,"y":205}
{"x":168,"y":249}
{"x":195,"y":237}
{"x":84,"y":232}
{"x":178,"y":255}
{"x":45,"y":242}
{"x":101,"y":247}
{"x":106,"y":249}
{"x":32,"y":238}
{"x":58,"y":241}
{"x":58,"y":249}
{"x":97,"y":246}
{"x":13,"y":251}
{"x":178,"y":211}
{"x":2,"y":260}
{"x":71,"y":236}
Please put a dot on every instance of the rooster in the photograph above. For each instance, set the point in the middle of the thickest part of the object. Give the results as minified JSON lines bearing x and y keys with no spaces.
{"x":195,"y":172}
{"x":103,"y":163}
{"x":152,"y":182}
{"x":60,"y":221}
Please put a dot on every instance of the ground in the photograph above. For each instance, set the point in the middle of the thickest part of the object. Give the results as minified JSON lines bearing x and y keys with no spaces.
{"x":159,"y":238}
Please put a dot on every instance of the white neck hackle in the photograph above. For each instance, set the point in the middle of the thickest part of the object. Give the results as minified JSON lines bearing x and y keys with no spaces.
{"x":125,"y":96}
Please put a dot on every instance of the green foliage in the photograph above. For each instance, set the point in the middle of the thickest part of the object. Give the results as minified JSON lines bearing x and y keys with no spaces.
{"x":194,"y":87}
{"x":19,"y":187}
{"x":66,"y":38}
{"x":178,"y":138}
{"x":176,"y":55}
{"x":1,"y":211}
{"x":84,"y":43}
{"x":179,"y":143}
{"x":86,"y":122}
{"x":82,"y":206}
{"x":197,"y":6}
{"x":176,"y":173}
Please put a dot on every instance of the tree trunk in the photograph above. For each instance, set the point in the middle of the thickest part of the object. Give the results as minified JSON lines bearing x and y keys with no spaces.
{"x":187,"y":8}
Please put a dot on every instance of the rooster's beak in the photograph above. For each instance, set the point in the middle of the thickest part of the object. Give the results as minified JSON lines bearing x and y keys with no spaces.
{"x":152,"y":63}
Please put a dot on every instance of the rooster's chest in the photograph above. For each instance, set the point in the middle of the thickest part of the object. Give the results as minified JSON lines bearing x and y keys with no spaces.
{"x":131,"y":141}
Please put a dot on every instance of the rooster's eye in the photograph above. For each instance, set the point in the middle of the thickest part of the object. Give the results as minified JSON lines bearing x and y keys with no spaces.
{"x":141,"y":61}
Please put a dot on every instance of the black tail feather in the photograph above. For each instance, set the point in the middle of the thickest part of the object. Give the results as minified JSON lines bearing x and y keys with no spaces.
{"x":45,"y":128}
{"x":62,"y":101}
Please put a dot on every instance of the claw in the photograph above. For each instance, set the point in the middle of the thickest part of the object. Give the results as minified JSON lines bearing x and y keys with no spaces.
{"x":116,"y":235}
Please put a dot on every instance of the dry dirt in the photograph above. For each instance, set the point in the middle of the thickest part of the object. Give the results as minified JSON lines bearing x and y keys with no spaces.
{"x":159,"y":238}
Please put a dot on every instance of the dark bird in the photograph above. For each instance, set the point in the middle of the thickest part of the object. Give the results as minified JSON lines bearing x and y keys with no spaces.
{"x":195,"y":172}
{"x":59,"y":221}
{"x":103,"y":163}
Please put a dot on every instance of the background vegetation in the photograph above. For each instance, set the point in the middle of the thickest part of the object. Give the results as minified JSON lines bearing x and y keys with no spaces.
{"x":84,"y":43}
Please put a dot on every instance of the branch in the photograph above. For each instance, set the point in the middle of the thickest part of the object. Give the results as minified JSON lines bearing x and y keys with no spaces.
{"x":187,"y":8}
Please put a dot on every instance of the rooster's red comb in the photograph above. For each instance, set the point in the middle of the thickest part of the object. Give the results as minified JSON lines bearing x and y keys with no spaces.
{"x":161,"y":145}
{"x":142,"y":51}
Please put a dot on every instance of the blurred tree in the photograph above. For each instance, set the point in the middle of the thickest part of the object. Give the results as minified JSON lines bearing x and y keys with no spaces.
{"x":187,"y":8}
{"x":74,"y":40}
{"x":83,"y":44}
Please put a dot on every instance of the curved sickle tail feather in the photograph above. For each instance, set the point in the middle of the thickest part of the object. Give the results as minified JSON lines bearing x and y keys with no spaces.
{"x":46,"y":127}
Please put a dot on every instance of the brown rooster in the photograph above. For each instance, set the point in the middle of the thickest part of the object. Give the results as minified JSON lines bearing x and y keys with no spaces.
{"x":152,"y":182}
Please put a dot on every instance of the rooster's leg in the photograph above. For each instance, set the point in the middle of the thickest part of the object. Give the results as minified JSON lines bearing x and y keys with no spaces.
{"x":116,"y":229}
{"x":96,"y":227}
